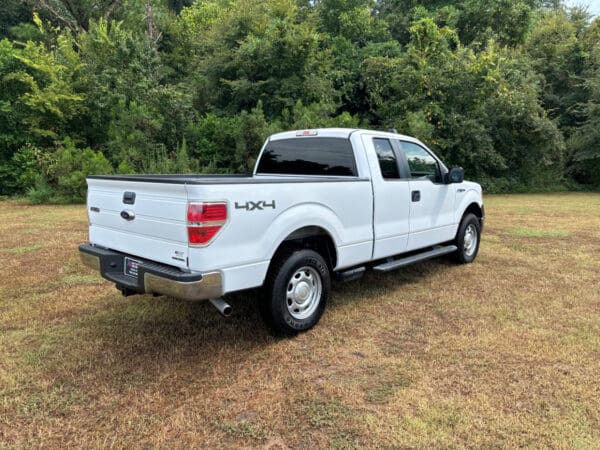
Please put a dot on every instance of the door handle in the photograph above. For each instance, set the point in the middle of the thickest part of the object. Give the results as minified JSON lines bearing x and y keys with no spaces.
{"x":129,"y":198}
{"x":416,"y":196}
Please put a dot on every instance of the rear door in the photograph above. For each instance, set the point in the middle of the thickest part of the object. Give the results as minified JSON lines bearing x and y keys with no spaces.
{"x":391,"y":196}
{"x":431,"y":201}
{"x":143,"y":219}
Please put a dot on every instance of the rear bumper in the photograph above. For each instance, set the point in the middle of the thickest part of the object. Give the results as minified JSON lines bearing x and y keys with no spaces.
{"x":152,"y":278}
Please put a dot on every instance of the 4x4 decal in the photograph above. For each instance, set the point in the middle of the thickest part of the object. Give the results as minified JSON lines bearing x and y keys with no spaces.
{"x":251,"y":206}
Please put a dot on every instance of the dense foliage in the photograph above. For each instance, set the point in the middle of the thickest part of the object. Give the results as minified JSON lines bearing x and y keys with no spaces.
{"x":509,"y":89}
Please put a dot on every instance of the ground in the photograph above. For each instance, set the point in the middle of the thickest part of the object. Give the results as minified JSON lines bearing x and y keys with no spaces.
{"x":501,"y":352}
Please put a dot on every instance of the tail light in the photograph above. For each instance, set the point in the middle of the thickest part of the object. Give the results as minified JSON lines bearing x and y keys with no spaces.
{"x":204,"y":221}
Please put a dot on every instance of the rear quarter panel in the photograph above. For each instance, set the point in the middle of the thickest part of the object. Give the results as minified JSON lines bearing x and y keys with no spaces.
{"x":244,"y":247}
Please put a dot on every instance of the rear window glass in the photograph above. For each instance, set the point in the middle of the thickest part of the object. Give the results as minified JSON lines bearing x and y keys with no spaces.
{"x":387,"y":158}
{"x":308,"y":156}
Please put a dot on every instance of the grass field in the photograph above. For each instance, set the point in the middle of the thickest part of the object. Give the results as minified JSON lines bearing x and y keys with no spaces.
{"x":502,"y":352}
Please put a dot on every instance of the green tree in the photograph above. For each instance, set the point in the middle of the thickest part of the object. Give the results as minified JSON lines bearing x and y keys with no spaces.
{"x":584,"y":143}
{"x":38,"y":101}
{"x":12,"y":13}
{"x":478,"y":110}
{"x":251,"y":51}
{"x":558,"y":55}
{"x":498,"y":86}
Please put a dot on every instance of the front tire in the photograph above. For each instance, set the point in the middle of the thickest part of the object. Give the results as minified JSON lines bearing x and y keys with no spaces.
{"x":468,"y":239}
{"x":296,"y":292}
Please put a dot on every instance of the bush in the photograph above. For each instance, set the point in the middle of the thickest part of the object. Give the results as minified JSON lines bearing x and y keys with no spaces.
{"x":40,"y":192}
{"x":69,"y":169}
{"x":229,"y":144}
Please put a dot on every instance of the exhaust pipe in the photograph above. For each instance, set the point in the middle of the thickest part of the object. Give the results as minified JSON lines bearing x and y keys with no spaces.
{"x":222,"y":306}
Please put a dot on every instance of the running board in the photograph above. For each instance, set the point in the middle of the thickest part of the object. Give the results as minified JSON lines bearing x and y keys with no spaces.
{"x":396,"y":264}
{"x":351,"y":275}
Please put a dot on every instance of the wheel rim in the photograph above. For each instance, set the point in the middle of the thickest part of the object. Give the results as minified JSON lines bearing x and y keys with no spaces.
{"x":304,"y":292}
{"x":470,"y":240}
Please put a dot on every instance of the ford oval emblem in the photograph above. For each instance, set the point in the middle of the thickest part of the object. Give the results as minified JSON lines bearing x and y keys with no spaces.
{"x":127,"y":215}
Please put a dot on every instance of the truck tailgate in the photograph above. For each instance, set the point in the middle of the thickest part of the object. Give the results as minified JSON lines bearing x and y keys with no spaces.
{"x":151,"y":226}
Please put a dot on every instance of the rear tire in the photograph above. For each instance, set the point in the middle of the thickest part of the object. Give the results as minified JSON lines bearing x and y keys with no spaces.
{"x":468,"y":239}
{"x":296,"y":292}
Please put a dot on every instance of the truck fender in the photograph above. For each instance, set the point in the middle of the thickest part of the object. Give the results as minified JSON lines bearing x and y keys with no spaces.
{"x":470,"y":197}
{"x":300,"y":216}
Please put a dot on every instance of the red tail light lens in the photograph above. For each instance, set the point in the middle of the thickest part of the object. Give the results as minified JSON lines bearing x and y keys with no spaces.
{"x":202,"y":235}
{"x":204,"y":221}
{"x":206,"y":212}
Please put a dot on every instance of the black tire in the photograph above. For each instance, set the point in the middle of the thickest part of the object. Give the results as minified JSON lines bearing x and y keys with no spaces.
{"x":466,"y":253}
{"x":278,"y":302}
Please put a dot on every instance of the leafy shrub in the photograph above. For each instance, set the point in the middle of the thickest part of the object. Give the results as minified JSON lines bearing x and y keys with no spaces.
{"x":222,"y":144}
{"x":71,"y":166}
{"x":40,"y":192}
{"x":26,"y":166}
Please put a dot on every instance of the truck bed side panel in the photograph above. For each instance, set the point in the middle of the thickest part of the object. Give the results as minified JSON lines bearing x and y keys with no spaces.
{"x":252,"y":234}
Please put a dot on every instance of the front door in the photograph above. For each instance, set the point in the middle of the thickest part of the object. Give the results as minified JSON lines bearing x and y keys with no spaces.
{"x":431,"y":200}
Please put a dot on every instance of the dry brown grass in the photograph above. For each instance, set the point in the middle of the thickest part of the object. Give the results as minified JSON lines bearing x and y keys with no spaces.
{"x":503,"y":352}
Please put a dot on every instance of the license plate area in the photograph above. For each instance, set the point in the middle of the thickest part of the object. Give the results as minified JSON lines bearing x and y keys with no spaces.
{"x":130,"y":267}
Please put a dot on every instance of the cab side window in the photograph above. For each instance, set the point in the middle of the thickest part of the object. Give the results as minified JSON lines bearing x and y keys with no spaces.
{"x":420,"y":162}
{"x":387,"y":159}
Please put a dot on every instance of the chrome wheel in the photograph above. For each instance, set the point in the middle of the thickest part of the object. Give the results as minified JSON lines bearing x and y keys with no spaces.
{"x":303,"y":293}
{"x":470,"y":240}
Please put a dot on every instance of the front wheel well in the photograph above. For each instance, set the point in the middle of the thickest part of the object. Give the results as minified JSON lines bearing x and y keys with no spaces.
{"x":475,"y":209}
{"x":314,"y":238}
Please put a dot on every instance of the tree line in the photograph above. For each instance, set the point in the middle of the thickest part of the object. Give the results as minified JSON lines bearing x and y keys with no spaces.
{"x":508,"y":89}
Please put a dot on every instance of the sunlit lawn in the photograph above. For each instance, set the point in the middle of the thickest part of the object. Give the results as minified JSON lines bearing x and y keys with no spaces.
{"x":502,"y":352}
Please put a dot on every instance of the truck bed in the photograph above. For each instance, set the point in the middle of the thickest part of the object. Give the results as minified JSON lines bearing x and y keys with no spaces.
{"x":224,"y":179}
{"x":158,"y":231}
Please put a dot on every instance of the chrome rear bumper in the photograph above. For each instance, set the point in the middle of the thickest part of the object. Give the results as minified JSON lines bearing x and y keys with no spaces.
{"x":151,"y":278}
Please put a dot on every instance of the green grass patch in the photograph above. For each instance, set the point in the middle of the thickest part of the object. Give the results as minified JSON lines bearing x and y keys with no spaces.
{"x":75,"y":279}
{"x":344,"y":441}
{"x":243,"y":430}
{"x":322,"y":413}
{"x":58,"y":399}
{"x":441,"y":419}
{"x":24,"y":249}
{"x":533,"y":232}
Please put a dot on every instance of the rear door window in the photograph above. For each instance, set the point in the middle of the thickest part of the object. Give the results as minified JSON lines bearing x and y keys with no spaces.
{"x":387,"y":159}
{"x":308,"y":156}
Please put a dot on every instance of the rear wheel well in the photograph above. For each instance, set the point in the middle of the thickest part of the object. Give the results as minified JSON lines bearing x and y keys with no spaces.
{"x":314,"y":238}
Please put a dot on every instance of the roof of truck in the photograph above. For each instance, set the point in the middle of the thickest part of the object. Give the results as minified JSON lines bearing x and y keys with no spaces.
{"x":336,"y":132}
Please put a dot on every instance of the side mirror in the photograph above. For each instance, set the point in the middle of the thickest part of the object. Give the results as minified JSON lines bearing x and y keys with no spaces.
{"x":456,"y":175}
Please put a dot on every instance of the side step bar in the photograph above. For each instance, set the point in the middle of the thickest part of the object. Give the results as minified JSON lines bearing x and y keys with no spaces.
{"x":396,"y":264}
{"x":351,"y":275}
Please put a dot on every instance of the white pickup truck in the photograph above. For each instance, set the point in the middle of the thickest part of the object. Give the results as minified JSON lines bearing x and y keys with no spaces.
{"x":320,"y":203}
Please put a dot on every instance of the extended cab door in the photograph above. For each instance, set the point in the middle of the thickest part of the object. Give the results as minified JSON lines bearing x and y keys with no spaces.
{"x":391,"y":196}
{"x":431,"y":201}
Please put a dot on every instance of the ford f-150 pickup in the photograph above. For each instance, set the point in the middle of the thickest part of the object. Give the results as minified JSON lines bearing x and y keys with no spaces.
{"x":320,"y":203}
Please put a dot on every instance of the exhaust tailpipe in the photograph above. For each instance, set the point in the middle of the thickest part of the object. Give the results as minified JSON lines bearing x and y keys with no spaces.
{"x":222,"y":306}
